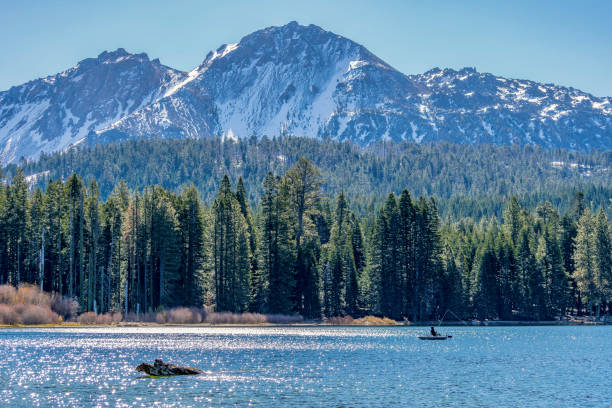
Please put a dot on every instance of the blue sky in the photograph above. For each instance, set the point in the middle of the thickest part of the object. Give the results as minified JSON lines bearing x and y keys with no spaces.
{"x":563,"y":42}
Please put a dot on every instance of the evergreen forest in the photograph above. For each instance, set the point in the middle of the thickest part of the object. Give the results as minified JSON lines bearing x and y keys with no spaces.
{"x":466,"y":180}
{"x":285,"y":245}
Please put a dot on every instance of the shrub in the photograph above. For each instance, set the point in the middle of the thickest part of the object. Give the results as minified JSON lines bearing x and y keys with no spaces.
{"x":65,"y":307}
{"x":142,"y":317}
{"x":36,"y":314}
{"x":101,"y":319}
{"x":87,"y":318}
{"x":7,"y":294}
{"x":222,"y":318}
{"x":161,"y":317}
{"x":251,"y":318}
{"x":104,"y":319}
{"x":27,"y":295}
{"x":340,"y":320}
{"x":131,"y":317}
{"x":284,"y":319}
{"x":32,"y":295}
{"x":363,"y":321}
{"x":183,"y":315}
{"x":8,"y":315}
{"x":375,"y":321}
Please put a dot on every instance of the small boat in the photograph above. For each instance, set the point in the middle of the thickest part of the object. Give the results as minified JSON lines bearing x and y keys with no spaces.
{"x":435,"y":337}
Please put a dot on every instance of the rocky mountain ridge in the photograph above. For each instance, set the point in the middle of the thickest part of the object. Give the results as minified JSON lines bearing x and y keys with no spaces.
{"x":298,"y":80}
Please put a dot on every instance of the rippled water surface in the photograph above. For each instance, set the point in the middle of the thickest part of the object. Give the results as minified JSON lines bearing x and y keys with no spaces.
{"x":308,"y":366}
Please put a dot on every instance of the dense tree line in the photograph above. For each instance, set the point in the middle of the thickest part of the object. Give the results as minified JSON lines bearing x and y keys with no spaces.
{"x":296,"y":251}
{"x":467,"y":181}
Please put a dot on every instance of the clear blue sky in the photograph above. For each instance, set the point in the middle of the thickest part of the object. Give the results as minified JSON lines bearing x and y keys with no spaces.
{"x":563,"y":42}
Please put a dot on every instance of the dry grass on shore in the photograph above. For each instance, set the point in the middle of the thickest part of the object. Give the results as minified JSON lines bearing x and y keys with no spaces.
{"x":28,"y":305}
{"x":362,"y":321}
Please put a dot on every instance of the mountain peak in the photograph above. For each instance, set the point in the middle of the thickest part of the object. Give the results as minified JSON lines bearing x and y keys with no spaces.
{"x":120,"y":54}
{"x":292,"y":79}
{"x":293,"y":26}
{"x":450,"y":71}
{"x":471,"y":70}
{"x":292,"y":31}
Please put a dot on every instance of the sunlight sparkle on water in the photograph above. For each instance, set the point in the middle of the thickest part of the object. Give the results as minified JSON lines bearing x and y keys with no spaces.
{"x":307,"y":366}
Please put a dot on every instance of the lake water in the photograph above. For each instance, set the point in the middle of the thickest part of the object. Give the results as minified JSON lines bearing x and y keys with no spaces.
{"x":309,"y":367}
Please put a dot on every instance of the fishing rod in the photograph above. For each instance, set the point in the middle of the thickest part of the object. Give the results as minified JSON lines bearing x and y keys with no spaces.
{"x":454,"y":314}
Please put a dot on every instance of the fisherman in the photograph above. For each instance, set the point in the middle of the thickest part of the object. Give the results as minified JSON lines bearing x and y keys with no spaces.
{"x":433,"y":332}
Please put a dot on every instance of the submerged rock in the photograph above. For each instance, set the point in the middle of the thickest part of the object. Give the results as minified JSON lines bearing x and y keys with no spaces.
{"x":160,"y":368}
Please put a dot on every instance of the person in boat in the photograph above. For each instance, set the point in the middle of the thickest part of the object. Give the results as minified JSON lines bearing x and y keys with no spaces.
{"x":433,"y":332}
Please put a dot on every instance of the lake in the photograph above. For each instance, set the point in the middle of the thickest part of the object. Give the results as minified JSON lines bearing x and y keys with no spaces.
{"x":308,"y":367}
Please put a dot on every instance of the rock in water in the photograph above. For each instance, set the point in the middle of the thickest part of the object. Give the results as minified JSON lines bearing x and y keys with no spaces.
{"x":160,"y":368}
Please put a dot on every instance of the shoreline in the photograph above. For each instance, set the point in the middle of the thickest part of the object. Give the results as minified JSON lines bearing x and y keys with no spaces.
{"x":493,"y":323}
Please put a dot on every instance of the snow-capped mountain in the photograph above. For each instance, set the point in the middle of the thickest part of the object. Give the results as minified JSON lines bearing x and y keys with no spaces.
{"x":473,"y":107}
{"x":292,"y":79}
{"x":55,"y":112}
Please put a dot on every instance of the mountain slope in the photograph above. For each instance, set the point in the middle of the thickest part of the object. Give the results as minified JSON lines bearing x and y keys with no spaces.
{"x":477,"y":108}
{"x":293,"y":79}
{"x":305,"y":81}
{"x":52,"y":113}
{"x":477,"y":179}
{"x":290,"y":79}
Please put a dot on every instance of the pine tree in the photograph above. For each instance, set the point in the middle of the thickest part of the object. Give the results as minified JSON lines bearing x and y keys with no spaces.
{"x":341,"y":262}
{"x":54,"y":214}
{"x":452,"y":284}
{"x":34,"y":238}
{"x":568,"y":236}
{"x":487,"y":297}
{"x":385,"y":259}
{"x":231,"y":252}
{"x":3,"y":231}
{"x":192,"y":227}
{"x":428,"y":258}
{"x":308,"y":262}
{"x":531,"y":277}
{"x":358,"y":247}
{"x":16,"y":222}
{"x":114,"y":210}
{"x":175,"y":251}
{"x":555,"y":278}
{"x":75,"y":194}
{"x":93,"y":223}
{"x":586,"y":262}
{"x":130,"y":255}
{"x":276,"y":249}
{"x":513,"y":219}
{"x":255,"y":283}
{"x":578,"y":205}
{"x":407,"y":255}
{"x":603,"y":250}
{"x":302,"y":183}
{"x":507,"y":277}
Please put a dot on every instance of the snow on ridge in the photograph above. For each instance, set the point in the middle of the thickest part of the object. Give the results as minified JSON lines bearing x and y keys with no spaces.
{"x":190,"y":77}
{"x":226,"y":50}
{"x":116,"y":60}
{"x":356,"y":64}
